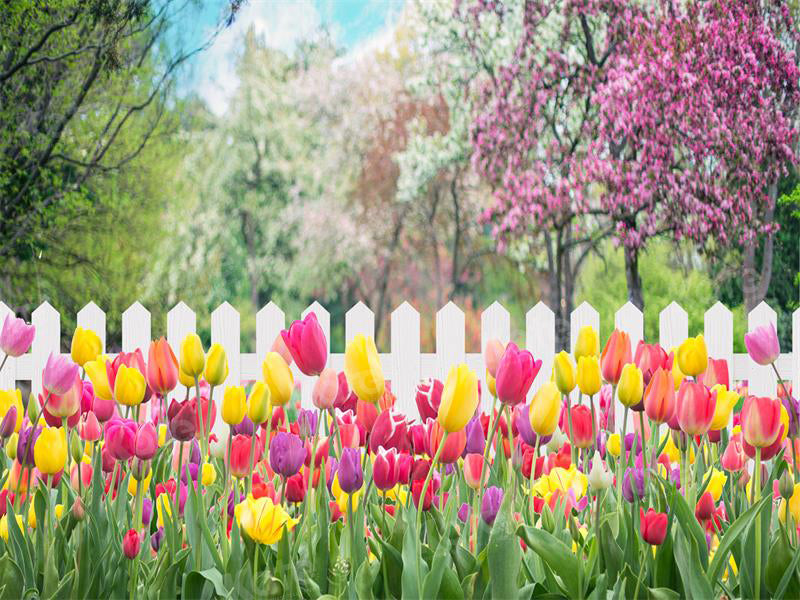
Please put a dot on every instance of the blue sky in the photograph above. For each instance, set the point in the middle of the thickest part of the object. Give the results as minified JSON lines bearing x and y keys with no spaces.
{"x":282,"y":23}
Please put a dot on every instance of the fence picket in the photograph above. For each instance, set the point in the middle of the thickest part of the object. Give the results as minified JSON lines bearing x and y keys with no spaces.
{"x":630,"y":320}
{"x":8,"y":376}
{"x":270,"y":320}
{"x":136,"y":329}
{"x":761,"y":380}
{"x":359,"y":319}
{"x":307,"y":383}
{"x":540,"y":339}
{"x":718,"y":333}
{"x":181,"y":321}
{"x":47,"y":340}
{"x":92,"y":317}
{"x":495,"y":323}
{"x":673,"y":326}
{"x":405,"y":358}
{"x":225,"y":330}
{"x":450,"y":339}
{"x":795,"y":364}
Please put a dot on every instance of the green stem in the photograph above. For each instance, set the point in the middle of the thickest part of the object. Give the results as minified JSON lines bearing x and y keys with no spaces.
{"x":252,"y":453}
{"x":486,"y":449}
{"x":757,"y":496}
{"x":421,"y":507}
{"x":571,"y":438}
{"x":641,"y":572}
{"x":177,"y":499}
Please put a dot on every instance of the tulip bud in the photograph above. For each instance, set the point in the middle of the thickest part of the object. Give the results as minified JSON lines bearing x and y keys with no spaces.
{"x":193,"y":359}
{"x":492,"y":355}
{"x":234,"y":405}
{"x":545,"y":409}
{"x":78,"y":511}
{"x":259,"y":409}
{"x":693,"y":356}
{"x":208,"y":474}
{"x":86,"y":346}
{"x":325,"y":389}
{"x":129,"y":386}
{"x":216,"y":371}
{"x":564,"y":372}
{"x":589,"y":375}
{"x":631,"y":385}
{"x":786,"y":485}
{"x":32,"y":409}
{"x":459,"y":398}
{"x":654,"y":526}
{"x":548,"y":522}
{"x":473,"y":471}
{"x":492,"y":500}
{"x":587,"y":344}
{"x":75,"y":447}
{"x":362,"y":366}
{"x":616,"y":354}
{"x":762,"y":345}
{"x":11,"y":446}
{"x":131,"y":544}
{"x":278,"y":378}
{"x":600,"y":478}
{"x":9,"y":422}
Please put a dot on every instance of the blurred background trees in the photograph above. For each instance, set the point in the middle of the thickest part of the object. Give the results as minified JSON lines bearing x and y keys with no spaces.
{"x":475,"y":154}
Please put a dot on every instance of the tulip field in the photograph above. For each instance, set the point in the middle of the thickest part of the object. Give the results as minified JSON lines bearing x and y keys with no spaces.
{"x":627,"y":470}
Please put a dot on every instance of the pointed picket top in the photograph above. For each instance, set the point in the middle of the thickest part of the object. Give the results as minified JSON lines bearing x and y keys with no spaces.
{"x":225,"y":330}
{"x":47,"y":340}
{"x":405,"y":357}
{"x":181,"y":321}
{"x":796,"y":351}
{"x":673,"y":326}
{"x":324,"y":318}
{"x":8,"y":374}
{"x":540,"y":339}
{"x":92,"y":317}
{"x":718,"y":333}
{"x":136,"y":333}
{"x":450,"y":338}
{"x":359,"y":319}
{"x":495,"y":323}
{"x":630,"y":320}
{"x":585,"y":314}
{"x":270,"y":320}
{"x":761,"y":380}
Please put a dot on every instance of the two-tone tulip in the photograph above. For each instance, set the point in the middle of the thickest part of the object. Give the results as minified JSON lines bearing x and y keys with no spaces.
{"x":453,"y":446}
{"x":649,"y":358}
{"x":695,"y":407}
{"x":659,"y":396}
{"x":162,"y":367}
{"x":761,"y":421}
{"x":716,"y":373}
{"x":492,"y":355}
{"x":59,"y":374}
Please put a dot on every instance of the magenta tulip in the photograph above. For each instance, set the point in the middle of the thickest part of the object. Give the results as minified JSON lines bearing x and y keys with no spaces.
{"x":307,"y":344}
{"x":515,"y":374}
{"x":428,"y":398}
{"x":121,"y":438}
{"x":146,"y":442}
{"x":384,"y":469}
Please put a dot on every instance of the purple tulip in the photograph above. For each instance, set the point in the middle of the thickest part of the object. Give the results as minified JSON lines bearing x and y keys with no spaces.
{"x":286,"y":454}
{"x":793,"y":408}
{"x":629,"y":440}
{"x":633,"y":477}
{"x":147,"y":511}
{"x":463,"y":512}
{"x":16,"y":336}
{"x":156,"y":539}
{"x":334,"y":463}
{"x":9,"y":422}
{"x":351,"y":477}
{"x":121,"y":438}
{"x":307,"y":423}
{"x":234,"y":498}
{"x":193,"y":470}
{"x":59,"y":374}
{"x":475,"y":439}
{"x":243,"y":428}
{"x":194,"y":452}
{"x":492,"y":500}
{"x":146,"y":442}
{"x":25,"y":443}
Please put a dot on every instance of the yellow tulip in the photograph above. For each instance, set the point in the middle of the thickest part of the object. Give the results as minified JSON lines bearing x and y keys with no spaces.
{"x":193,"y":359}
{"x":362,"y":367}
{"x":189,"y":382}
{"x":133,"y":483}
{"x":4,"y":526}
{"x":9,"y":398}
{"x":716,"y":482}
{"x":342,"y":498}
{"x":677,"y":375}
{"x":614,"y":445}
{"x":208,"y":474}
{"x":564,"y":372}
{"x":11,"y":445}
{"x":545,"y":409}
{"x":561,"y":480}
{"x":162,"y":435}
{"x":216,"y":365}
{"x":234,"y":405}
{"x":278,"y":377}
{"x":589,"y":375}
{"x":163,"y":509}
{"x":588,"y":342}
{"x":784,"y":422}
{"x":129,"y":386}
{"x":262,"y":520}
{"x":50,"y":451}
{"x":32,"y":517}
{"x":726,"y":400}
{"x":96,"y":370}
{"x":631,"y":385}
{"x":693,"y":356}
{"x":793,"y":506}
{"x":86,"y":346}
{"x":459,"y":398}
{"x":491,"y":383}
{"x":259,"y":404}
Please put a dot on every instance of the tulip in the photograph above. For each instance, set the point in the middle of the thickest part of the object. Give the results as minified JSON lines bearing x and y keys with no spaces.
{"x":659,"y":397}
{"x":633,"y":483}
{"x":193,"y":359}
{"x":182,"y":420}
{"x":453,"y":445}
{"x":715,"y":373}
{"x":649,"y":358}
{"x":9,"y":422}
{"x":384,"y":471}
{"x":260,"y":403}
{"x":86,"y":346}
{"x":762,"y":344}
{"x":16,"y":336}
{"x":589,"y":375}
{"x":208,"y":474}
{"x":12,"y":400}
{"x":25,"y":445}
{"x":492,"y":355}
{"x":564,"y":372}
{"x":50,"y":451}
{"x":325,"y":390}
{"x":582,"y":430}
{"x":587,"y":344}
{"x":295,"y":488}
{"x":307,"y":421}
{"x":616,"y":354}
{"x":459,"y":398}
{"x":216,"y":371}
{"x":146,"y":442}
{"x":761,"y":421}
{"x":491,"y":384}
{"x":792,"y":506}
{"x":162,"y":367}
{"x":726,"y":401}
{"x":476,"y":441}
{"x":545,"y":409}
{"x":429,"y":397}
{"x":631,"y":386}
{"x":131,"y":544}
{"x":278,"y":378}
{"x":389,"y":431}
{"x":600,"y":478}
{"x":59,"y":374}
{"x":694,"y":408}
{"x":654,"y":526}
{"x":350,"y":475}
{"x":129,"y":386}
{"x":416,"y":495}
{"x":286,"y":454}
{"x":240,"y":456}
{"x":614,"y":445}
{"x":98,"y":374}
{"x":693,"y":356}
{"x":492,"y":500}
{"x":234,"y":405}
{"x":362,"y":367}
{"x":121,"y":438}
{"x":473,"y":471}
{"x":733,"y":458}
{"x":515,"y":374}
{"x":307,"y":344}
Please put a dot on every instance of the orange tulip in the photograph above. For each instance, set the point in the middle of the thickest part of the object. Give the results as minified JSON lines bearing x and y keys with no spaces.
{"x":616,"y":354}
{"x":659,"y":396}
{"x":162,"y":367}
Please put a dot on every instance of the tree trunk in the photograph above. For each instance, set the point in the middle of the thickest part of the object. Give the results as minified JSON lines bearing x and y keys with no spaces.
{"x":754,"y":284}
{"x":633,"y":278}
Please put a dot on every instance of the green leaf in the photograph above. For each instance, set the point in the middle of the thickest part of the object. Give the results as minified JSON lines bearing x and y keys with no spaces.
{"x":504,"y":553}
{"x":689,"y":564}
{"x":10,"y":578}
{"x":440,"y":561}
{"x":734,"y":534}
{"x":556,"y":554}
{"x":788,"y":577}
{"x":411,"y":575}
{"x":365,"y":578}
{"x":688,"y":522}
{"x":662,"y":594}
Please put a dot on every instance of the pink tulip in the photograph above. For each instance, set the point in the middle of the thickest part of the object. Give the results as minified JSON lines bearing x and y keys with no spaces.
{"x":325,"y":390}
{"x":89,"y":428}
{"x":146,"y":442}
{"x":515,"y":374}
{"x":761,"y":421}
{"x":659,"y":396}
{"x":384,"y":469}
{"x":733,"y":458}
{"x":59,"y":374}
{"x":389,"y":431}
{"x":86,"y":475}
{"x":16,"y":336}
{"x":762,"y":344}
{"x":307,"y":344}
{"x":695,"y":406}
{"x":281,"y":348}
{"x":121,"y":438}
{"x":67,"y":404}
{"x":649,"y":358}
{"x":716,"y":373}
{"x":492,"y":355}
{"x":131,"y":544}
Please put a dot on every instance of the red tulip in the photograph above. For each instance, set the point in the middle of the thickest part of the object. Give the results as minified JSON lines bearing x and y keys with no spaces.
{"x":694,"y":408}
{"x":428,"y":397}
{"x":761,"y":420}
{"x":389,"y":431}
{"x":659,"y":396}
{"x":295,"y":488}
{"x":705,"y":507}
{"x":453,"y":446}
{"x":240,"y":455}
{"x":403,"y":464}
{"x":131,"y":544}
{"x":616,"y":354}
{"x":654,"y":526}
{"x":416,"y":493}
{"x":582,"y":426}
{"x":384,"y":469}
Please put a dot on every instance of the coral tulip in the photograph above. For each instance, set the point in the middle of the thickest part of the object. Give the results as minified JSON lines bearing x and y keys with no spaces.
{"x":761,"y":421}
{"x":716,"y":373}
{"x":86,"y":346}
{"x":16,"y":336}
{"x":459,"y":398}
{"x":362,"y":367}
{"x":654,"y":526}
{"x":659,"y":397}
{"x":694,"y":408}
{"x":474,"y":471}
{"x":545,"y":409}
{"x":515,"y":374}
{"x":616,"y":354}
{"x":216,"y":370}
{"x":279,"y":378}
{"x":307,"y":344}
{"x":693,"y":356}
{"x":325,"y":390}
{"x":762,"y":344}
{"x":581,"y":426}
{"x":453,"y":446}
{"x":162,"y":367}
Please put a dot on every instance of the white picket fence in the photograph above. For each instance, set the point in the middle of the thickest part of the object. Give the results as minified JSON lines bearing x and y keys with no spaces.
{"x":405,"y":365}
